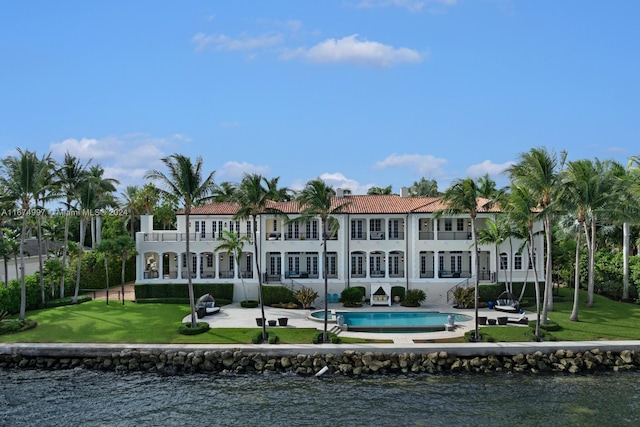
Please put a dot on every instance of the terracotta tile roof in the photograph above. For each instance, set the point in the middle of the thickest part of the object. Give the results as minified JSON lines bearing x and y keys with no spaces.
{"x":355,"y":204}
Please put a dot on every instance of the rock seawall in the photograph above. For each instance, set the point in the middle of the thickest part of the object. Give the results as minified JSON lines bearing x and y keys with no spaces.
{"x":348,"y":362}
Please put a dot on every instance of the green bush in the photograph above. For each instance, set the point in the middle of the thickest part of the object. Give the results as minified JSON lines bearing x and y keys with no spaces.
{"x":305,"y":296}
{"x":413,"y":298}
{"x":249,"y":304}
{"x":9,"y":326}
{"x":333,"y":338}
{"x":180,"y":291}
{"x":277,"y":294}
{"x":464,"y":297}
{"x":186,"y":329}
{"x":351,"y":297}
{"x":66,"y":301}
{"x":271,"y":338}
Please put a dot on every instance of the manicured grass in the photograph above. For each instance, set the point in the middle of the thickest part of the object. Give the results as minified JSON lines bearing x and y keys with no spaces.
{"x":96,"y":322}
{"x":606,"y":320}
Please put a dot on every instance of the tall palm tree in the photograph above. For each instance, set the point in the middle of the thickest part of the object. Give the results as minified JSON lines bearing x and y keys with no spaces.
{"x":317,"y":200}
{"x":103,"y":198}
{"x":279,"y":194}
{"x":106,"y":247}
{"x":255,"y":198}
{"x":21,"y":181}
{"x":185,"y":181}
{"x":70,"y":175}
{"x":125,"y":247}
{"x":233,"y":244}
{"x":462,"y":198}
{"x":538,"y":171}
{"x":224,"y":192}
{"x":128,"y":202}
{"x":380,"y":190}
{"x":580,"y":180}
{"x":521,"y":209}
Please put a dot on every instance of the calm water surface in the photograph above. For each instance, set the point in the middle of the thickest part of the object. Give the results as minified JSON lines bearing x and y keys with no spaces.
{"x":89,"y":398}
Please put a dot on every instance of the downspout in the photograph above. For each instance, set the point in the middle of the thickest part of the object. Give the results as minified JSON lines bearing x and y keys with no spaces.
{"x":406,"y":249}
{"x":348,"y":260}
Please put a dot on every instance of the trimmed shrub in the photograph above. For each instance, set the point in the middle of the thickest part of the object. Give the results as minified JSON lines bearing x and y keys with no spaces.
{"x":179,"y":292}
{"x":186,"y":329}
{"x":249,"y":304}
{"x":352,"y":297}
{"x":271,"y":338}
{"x":413,"y":298}
{"x":333,"y":338}
{"x":277,"y":294}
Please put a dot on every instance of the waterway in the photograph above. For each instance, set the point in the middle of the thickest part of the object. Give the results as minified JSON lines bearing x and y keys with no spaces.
{"x":91,"y":398}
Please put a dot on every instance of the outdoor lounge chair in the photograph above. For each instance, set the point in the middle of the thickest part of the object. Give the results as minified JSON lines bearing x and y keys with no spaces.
{"x":521,"y":320}
{"x":206,"y":305}
{"x":507,"y":302}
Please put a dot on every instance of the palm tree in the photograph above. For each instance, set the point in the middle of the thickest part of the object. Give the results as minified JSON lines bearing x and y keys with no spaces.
{"x":125,"y":247}
{"x":21,"y":181}
{"x":103,"y":198}
{"x":255,"y":199}
{"x":317,"y":200}
{"x":128,"y":202}
{"x":233,"y":244}
{"x":537,"y":171}
{"x":462,"y":198}
{"x":521,"y":209}
{"x":424,"y":188}
{"x":106,"y":247}
{"x":185,"y":182}
{"x":71,"y":174}
{"x":279,"y":194}
{"x":224,"y":192}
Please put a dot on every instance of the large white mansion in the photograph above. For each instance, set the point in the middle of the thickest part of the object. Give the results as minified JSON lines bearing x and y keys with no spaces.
{"x":388,"y":239}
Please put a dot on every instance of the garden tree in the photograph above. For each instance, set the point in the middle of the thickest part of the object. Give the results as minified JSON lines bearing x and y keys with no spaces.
{"x":128,"y":202}
{"x":125,"y":247}
{"x":628,"y":191}
{"x":538,"y":171}
{"x":233,"y":244}
{"x":462,"y":198}
{"x":380,"y":190}
{"x":424,"y":188}
{"x":70,"y":176}
{"x":279,"y":194}
{"x":316,"y":201}
{"x":103,"y":198}
{"x":87,"y":203}
{"x":107,"y":248}
{"x":12,"y":242}
{"x":495,"y":233}
{"x":5,"y":252}
{"x":224,"y":192}
{"x":52,"y":272}
{"x":580,"y":180}
{"x":114,"y":225}
{"x":185,"y":181}
{"x":165,"y":213}
{"x":45,"y":183}
{"x":21,"y":183}
{"x":521,"y":209}
{"x":487,"y":187}
{"x":254,"y":198}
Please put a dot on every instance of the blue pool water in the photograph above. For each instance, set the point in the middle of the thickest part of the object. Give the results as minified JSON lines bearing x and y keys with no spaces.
{"x":400,"y":321}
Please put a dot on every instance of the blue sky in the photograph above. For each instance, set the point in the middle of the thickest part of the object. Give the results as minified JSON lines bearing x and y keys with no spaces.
{"x":359,"y":92}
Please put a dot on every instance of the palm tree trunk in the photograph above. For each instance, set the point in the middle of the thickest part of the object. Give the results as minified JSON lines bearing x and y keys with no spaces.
{"x":255,"y":247}
{"x":64,"y":253}
{"x":80,"y":249}
{"x":547,"y":304}
{"x":592,"y":261}
{"x":476,"y":259}
{"x":23,"y":288}
{"x":106,"y":274}
{"x":192,"y":303}
{"x":576,"y":278}
{"x":625,"y":261}
{"x":537,"y":286}
{"x":122,"y":271}
{"x":40,"y":265}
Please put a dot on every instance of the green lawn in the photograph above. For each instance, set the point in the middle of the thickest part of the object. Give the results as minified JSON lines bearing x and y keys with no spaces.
{"x":96,"y":322}
{"x":606,"y":320}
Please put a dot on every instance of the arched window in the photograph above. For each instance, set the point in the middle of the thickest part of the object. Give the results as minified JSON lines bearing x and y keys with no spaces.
{"x":504,"y":261}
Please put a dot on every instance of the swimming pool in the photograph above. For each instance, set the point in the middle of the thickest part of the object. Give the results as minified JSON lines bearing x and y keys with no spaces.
{"x":396,"y":321}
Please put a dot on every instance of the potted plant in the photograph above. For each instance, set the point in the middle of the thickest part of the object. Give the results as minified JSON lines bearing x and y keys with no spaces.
{"x":260,"y":321}
{"x":282,"y":321}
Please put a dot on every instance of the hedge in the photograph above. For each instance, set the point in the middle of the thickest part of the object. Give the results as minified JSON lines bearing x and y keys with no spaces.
{"x":179,"y":292}
{"x":277,"y":295}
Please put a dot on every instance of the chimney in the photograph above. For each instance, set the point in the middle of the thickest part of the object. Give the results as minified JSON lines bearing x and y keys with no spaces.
{"x":404,"y":191}
{"x":339,"y":192}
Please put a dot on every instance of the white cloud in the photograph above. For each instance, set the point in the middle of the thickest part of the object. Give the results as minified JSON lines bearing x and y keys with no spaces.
{"x":351,"y":50}
{"x":412,"y":5}
{"x":243,"y":43}
{"x":488,"y":167}
{"x":338,"y":180}
{"x":423,"y":165}
{"x":126,"y":158}
{"x":234,"y":171}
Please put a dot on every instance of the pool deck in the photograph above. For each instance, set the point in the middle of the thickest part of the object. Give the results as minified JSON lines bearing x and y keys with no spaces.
{"x":234,"y":316}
